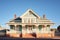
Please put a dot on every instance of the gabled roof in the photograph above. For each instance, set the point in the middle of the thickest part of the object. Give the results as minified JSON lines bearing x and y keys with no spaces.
{"x":28,"y":12}
{"x":32,"y":12}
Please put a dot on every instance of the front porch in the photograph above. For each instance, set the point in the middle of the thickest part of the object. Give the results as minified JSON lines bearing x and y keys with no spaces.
{"x":33,"y":31}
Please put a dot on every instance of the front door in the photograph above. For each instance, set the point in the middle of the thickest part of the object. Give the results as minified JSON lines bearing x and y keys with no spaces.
{"x":29,"y":28}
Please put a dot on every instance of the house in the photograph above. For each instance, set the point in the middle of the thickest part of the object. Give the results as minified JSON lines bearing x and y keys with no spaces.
{"x":30,"y":23}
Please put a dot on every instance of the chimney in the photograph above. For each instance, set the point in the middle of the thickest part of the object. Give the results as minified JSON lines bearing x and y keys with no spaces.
{"x":44,"y":16}
{"x":14,"y":16}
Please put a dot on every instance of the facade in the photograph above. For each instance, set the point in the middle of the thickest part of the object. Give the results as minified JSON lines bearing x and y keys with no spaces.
{"x":31,"y":25}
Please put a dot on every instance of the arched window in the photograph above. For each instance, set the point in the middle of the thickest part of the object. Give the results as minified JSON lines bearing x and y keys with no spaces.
{"x":40,"y":26}
{"x":20,"y":27}
{"x":12,"y":27}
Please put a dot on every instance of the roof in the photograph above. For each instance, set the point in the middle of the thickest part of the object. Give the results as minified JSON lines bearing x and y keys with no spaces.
{"x":31,"y":12}
{"x":18,"y":19}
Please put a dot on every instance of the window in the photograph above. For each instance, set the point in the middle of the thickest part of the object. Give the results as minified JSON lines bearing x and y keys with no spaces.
{"x":32,"y":20}
{"x":40,"y":26}
{"x":28,"y":20}
{"x":25,"y":20}
{"x":12,"y":27}
{"x":20,"y":28}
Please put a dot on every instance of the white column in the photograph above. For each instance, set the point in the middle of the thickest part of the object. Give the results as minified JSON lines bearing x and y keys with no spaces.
{"x":23,"y":29}
{"x":37,"y":29}
{"x":43,"y":30}
{"x":48,"y":28}
{"x":15,"y":26}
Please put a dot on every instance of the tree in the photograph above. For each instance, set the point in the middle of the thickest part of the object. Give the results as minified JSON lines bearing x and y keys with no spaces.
{"x":58,"y":28}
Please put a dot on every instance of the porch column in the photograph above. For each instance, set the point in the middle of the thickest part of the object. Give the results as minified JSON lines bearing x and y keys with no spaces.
{"x":48,"y":28}
{"x":37,"y":30}
{"x":23,"y":29}
{"x":15,"y":26}
{"x":43,"y":28}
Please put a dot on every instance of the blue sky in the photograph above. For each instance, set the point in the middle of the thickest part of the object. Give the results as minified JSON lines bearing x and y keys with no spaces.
{"x":10,"y":7}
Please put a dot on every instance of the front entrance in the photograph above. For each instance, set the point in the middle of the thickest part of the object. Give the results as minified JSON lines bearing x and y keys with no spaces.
{"x":29,"y":28}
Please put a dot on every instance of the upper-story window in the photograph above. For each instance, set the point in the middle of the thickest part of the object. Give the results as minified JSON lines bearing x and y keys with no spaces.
{"x":28,"y":20}
{"x":25,"y":20}
{"x":32,"y":20}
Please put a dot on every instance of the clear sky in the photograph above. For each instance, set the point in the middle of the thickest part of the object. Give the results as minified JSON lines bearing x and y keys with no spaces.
{"x":10,"y":7}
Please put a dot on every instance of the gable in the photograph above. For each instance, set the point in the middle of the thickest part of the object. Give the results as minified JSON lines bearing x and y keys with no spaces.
{"x":29,"y":13}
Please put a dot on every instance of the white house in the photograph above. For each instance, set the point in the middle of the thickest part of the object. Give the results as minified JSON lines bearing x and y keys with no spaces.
{"x":30,"y":23}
